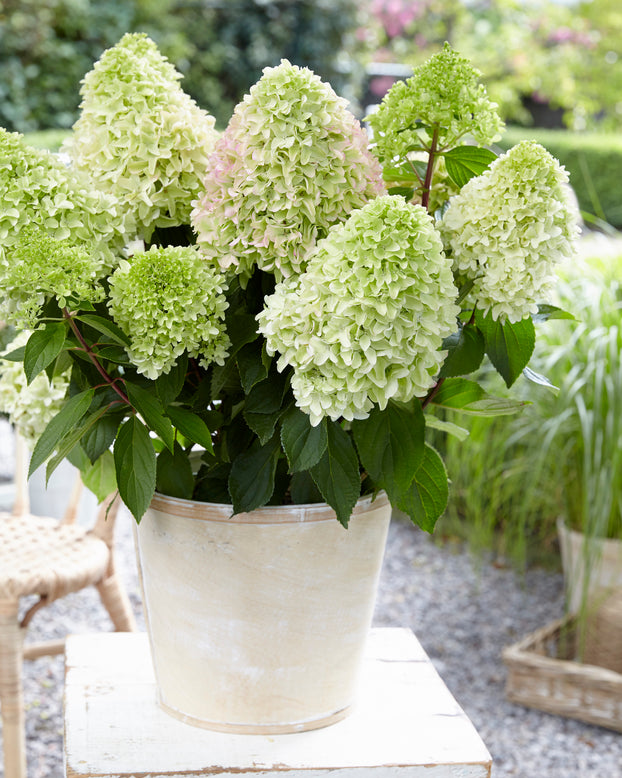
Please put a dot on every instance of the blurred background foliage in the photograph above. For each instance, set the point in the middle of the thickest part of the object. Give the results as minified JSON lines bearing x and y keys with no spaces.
{"x":546,"y":63}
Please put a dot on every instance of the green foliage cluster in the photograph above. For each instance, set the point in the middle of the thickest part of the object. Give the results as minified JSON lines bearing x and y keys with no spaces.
{"x":561,"y":456}
{"x":221,"y":47}
{"x":593,"y":161}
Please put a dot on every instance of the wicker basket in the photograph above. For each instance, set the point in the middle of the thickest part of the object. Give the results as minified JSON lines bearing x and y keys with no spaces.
{"x":543,"y":674}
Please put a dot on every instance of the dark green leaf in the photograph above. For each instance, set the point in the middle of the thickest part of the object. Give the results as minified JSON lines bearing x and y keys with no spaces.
{"x":546,"y":312}
{"x":169,"y":385}
{"x":225,"y":377}
{"x":466,"y":352}
{"x":407,"y":192}
{"x":191,"y":426}
{"x":251,"y":481}
{"x":116,"y":354}
{"x":43,"y":346}
{"x":303,"y":490}
{"x":465,"y":162}
{"x":64,"y":421}
{"x":302,"y":443}
{"x":100,"y":437}
{"x":17,"y":355}
{"x":427,"y":496}
{"x":150,"y":408}
{"x":242,"y":328}
{"x":212,"y":484}
{"x":174,"y":473}
{"x":468,"y":397}
{"x":390,"y":444}
{"x":336,"y":475}
{"x":252,"y":365}
{"x":262,"y":424}
{"x":135,"y":466}
{"x":105,"y":327}
{"x":509,"y":346}
{"x":68,"y":444}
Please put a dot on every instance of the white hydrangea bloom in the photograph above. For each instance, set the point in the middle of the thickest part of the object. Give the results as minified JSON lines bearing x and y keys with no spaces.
{"x":508,"y":227}
{"x":167,"y":301}
{"x":30,"y":407}
{"x":365,"y":322}
{"x":139,"y":136}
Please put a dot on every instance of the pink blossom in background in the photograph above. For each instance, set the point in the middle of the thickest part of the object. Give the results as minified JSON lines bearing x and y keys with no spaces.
{"x":396,"y":15}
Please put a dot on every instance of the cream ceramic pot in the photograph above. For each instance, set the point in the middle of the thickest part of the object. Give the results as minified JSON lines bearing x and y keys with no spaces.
{"x":258,"y":622}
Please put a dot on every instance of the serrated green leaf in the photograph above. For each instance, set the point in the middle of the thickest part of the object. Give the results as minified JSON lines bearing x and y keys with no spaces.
{"x":191,"y":426}
{"x":135,"y":466}
{"x":433,"y":422}
{"x":547,"y":312}
{"x":169,"y":385}
{"x":100,"y":476}
{"x":509,"y":346}
{"x":71,"y":440}
{"x":43,"y":346}
{"x":242,"y":328}
{"x":466,"y":352}
{"x":336,"y":475}
{"x":303,"y":490}
{"x":262,"y":424}
{"x":150,"y":408}
{"x":252,"y":366}
{"x":427,"y":496}
{"x":100,"y":437}
{"x":391,"y":444}
{"x":105,"y":327}
{"x":225,"y":377}
{"x":302,"y":443}
{"x":174,"y":473}
{"x":64,"y":421}
{"x":251,"y":481}
{"x":465,"y":162}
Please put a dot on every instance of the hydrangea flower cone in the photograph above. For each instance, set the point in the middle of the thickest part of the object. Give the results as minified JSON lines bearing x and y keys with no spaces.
{"x":292,"y":162}
{"x":508,"y":228}
{"x":365,"y":323}
{"x":140,"y":136}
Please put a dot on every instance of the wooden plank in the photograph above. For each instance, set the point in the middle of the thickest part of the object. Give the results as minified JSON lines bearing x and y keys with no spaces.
{"x":405,"y":724}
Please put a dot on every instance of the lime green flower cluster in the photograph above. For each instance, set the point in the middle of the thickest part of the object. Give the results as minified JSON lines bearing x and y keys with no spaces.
{"x":36,"y":188}
{"x":29,"y":406}
{"x":140,"y":137}
{"x":508,"y":227}
{"x":292,"y":162}
{"x":443,"y":95}
{"x":167,"y":301}
{"x":366,"y":321}
{"x":38,"y":268}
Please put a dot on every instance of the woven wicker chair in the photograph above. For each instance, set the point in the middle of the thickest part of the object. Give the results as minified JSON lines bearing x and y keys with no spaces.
{"x":49,"y":559}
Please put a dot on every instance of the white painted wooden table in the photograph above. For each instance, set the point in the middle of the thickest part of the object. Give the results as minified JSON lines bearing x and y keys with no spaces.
{"x":406,"y":724}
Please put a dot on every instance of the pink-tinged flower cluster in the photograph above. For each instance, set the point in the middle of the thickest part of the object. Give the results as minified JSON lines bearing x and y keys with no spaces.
{"x":292,"y":162}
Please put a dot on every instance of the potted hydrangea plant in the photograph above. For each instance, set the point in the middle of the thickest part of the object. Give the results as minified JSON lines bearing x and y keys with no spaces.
{"x":252,"y":326}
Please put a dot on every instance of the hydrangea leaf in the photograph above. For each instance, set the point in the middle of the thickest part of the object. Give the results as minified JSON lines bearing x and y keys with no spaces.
{"x":251,"y":481}
{"x":469,"y":397}
{"x":303,"y":444}
{"x":152,"y":411}
{"x":336,"y":475}
{"x":174,"y":473}
{"x":465,"y":162}
{"x":465,"y":352}
{"x":43,"y":346}
{"x":135,"y":466}
{"x":427,"y":496}
{"x":508,"y":345}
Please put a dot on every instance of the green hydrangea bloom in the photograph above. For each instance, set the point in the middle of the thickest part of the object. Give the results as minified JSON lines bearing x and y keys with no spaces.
{"x":30,"y":407}
{"x":292,"y":162}
{"x":509,"y":226}
{"x":366,"y":321}
{"x":37,"y":188}
{"x":443,"y":94}
{"x":140,"y":136}
{"x":167,"y":301}
{"x":38,"y":268}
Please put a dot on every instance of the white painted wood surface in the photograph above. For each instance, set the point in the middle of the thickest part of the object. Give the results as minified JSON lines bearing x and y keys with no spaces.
{"x":405,"y":724}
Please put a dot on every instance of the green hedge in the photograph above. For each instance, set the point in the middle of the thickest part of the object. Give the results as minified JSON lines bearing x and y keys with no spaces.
{"x":593,"y":161}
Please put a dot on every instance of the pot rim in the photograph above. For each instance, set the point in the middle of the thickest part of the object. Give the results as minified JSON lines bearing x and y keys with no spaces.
{"x":267,"y":514}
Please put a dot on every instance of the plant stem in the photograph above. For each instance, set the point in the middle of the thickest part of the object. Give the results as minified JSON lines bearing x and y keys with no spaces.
{"x":92,"y":356}
{"x":433,"y":391}
{"x":427,"y":184}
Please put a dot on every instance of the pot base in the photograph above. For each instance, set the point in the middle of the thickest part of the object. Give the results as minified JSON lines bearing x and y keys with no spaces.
{"x":257,"y":729}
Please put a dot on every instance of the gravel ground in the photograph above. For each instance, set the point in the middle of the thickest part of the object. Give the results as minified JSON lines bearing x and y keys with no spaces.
{"x":463,"y":611}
